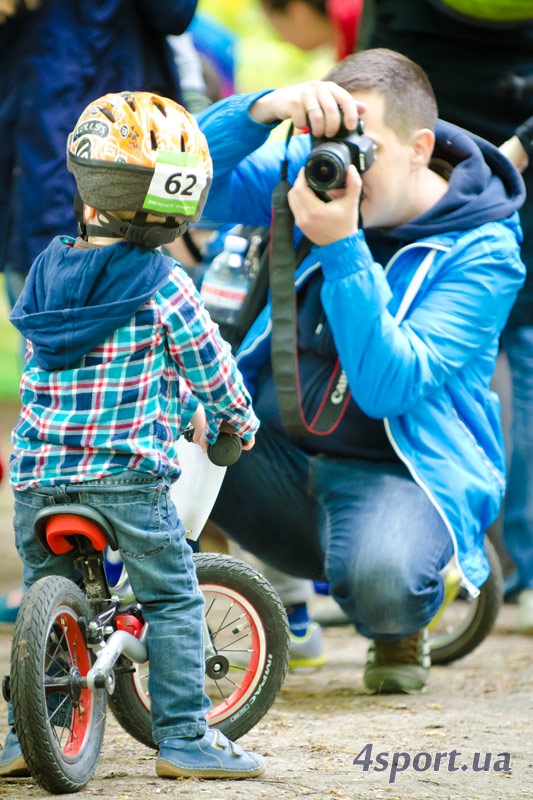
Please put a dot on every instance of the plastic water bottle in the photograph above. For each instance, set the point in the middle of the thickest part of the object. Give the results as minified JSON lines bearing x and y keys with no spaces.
{"x":226,"y":281}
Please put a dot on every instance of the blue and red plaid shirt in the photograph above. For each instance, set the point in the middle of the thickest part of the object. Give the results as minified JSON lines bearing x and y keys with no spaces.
{"x":123,"y":405}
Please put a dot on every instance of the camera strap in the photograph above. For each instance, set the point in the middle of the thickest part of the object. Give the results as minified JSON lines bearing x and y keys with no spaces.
{"x":284,"y":355}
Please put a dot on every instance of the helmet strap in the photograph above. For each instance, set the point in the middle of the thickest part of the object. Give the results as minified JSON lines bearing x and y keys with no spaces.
{"x":78,"y":211}
{"x":137,"y":231}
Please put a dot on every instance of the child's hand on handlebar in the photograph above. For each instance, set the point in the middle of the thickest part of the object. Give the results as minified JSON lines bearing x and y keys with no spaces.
{"x":247,"y":444}
{"x":199,"y":423}
{"x":228,"y":446}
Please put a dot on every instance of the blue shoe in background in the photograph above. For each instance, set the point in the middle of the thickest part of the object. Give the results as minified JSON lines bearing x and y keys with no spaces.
{"x":12,"y":763}
{"x":307,"y":650}
{"x":10,"y":604}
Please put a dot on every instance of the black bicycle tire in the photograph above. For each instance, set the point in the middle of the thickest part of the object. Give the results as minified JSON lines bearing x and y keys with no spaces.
{"x":230,"y":572}
{"x":488,"y":604}
{"x":38,"y":743}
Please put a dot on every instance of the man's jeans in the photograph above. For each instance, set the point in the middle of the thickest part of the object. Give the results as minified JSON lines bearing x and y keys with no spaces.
{"x":518,"y":507}
{"x":159,"y":563}
{"x":367,"y":528}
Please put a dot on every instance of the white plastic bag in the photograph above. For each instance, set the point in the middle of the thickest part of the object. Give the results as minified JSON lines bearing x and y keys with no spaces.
{"x":197,"y":488}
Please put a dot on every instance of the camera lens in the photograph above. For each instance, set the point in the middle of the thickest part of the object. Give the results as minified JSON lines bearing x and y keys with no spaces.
{"x":325,"y":171}
{"x":326,"y":166}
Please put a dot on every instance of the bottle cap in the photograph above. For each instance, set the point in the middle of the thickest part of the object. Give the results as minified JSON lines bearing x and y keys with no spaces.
{"x":237,"y":244}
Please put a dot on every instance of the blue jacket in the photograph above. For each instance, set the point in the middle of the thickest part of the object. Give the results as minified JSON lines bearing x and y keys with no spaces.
{"x":53,"y":62}
{"x":418,"y":341}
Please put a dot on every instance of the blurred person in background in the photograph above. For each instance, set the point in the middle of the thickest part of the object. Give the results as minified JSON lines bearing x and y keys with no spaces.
{"x":236,"y":36}
{"x":309,"y":24}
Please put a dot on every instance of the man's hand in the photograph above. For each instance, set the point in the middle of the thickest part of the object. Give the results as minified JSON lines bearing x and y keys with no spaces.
{"x":314,"y":104}
{"x":323,"y":222}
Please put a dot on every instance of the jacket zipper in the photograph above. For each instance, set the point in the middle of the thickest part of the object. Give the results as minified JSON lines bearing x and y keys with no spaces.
{"x":409,"y":295}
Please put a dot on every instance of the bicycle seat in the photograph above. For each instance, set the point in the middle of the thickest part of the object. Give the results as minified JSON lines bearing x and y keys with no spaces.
{"x":55,"y":526}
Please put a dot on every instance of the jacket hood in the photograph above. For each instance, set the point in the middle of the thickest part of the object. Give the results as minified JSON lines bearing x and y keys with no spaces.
{"x":484,"y":186}
{"x":74,"y":298}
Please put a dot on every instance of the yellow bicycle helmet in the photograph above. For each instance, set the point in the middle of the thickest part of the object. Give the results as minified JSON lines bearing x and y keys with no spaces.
{"x":139,"y":152}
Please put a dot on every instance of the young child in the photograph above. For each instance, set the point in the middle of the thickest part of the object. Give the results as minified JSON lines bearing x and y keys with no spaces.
{"x":120,"y":353}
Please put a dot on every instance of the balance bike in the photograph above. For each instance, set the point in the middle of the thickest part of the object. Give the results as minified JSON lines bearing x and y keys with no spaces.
{"x":75,"y":650}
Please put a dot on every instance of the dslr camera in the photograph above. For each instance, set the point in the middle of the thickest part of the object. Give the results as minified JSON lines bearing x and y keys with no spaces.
{"x":330,"y":158}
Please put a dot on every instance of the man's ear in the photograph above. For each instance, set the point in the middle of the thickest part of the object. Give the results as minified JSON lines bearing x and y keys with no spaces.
{"x":423,"y":143}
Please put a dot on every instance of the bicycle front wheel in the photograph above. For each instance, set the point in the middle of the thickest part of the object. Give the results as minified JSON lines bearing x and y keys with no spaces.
{"x":60,"y":724}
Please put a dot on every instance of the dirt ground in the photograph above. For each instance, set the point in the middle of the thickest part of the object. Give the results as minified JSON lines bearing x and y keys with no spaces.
{"x":324,"y":718}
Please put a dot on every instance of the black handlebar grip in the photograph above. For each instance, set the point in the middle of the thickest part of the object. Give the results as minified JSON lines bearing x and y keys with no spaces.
{"x":226,"y":450}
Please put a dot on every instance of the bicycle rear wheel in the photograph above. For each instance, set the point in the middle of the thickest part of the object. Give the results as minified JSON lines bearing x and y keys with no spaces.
{"x":249,"y":633}
{"x":464,"y":622}
{"x":60,"y":725}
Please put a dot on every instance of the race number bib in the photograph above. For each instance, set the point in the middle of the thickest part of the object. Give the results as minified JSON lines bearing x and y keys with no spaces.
{"x":177,"y":184}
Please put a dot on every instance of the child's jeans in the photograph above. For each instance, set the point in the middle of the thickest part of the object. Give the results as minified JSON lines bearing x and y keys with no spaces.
{"x":159,"y":563}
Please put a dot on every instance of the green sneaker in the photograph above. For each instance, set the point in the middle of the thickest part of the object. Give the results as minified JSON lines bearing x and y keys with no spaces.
{"x":398,"y":667}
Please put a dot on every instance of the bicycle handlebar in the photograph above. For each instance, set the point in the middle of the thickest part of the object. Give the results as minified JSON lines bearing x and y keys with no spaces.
{"x":225,"y":451}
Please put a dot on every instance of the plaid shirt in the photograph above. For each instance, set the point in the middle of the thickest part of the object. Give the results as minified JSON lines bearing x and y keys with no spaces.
{"x":124,"y":404}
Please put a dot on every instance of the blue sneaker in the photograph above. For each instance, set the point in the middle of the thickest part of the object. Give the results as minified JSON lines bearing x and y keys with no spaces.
{"x":209,"y":756}
{"x":10,"y":604}
{"x":12,"y":763}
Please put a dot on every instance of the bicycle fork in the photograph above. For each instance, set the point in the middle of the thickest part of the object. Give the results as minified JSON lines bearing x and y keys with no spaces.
{"x":62,"y":528}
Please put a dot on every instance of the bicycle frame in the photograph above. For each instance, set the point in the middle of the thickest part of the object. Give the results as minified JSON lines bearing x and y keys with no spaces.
{"x":62,"y":528}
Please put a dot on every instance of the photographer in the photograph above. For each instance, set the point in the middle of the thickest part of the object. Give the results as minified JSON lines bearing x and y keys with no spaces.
{"x":412,"y":470}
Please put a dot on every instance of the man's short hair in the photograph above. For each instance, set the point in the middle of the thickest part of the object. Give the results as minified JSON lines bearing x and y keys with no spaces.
{"x":409,"y":98}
